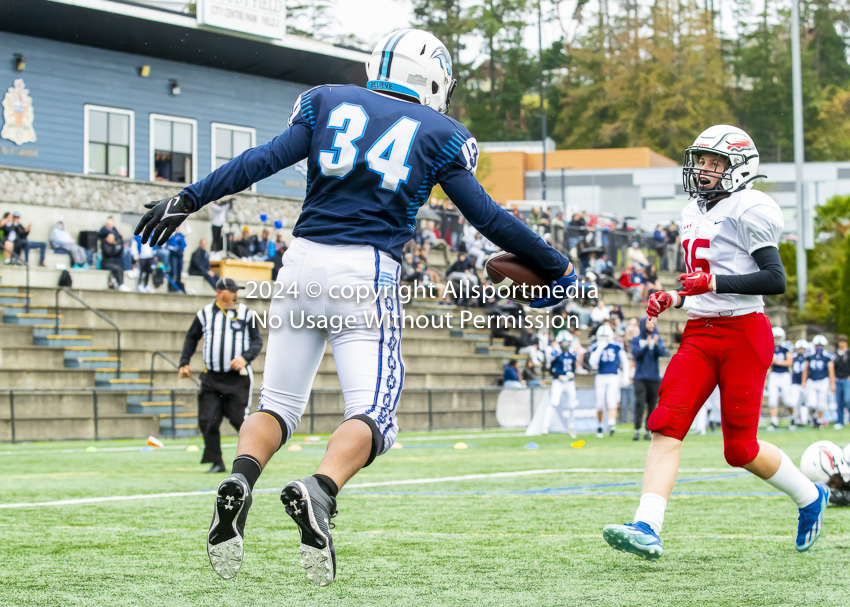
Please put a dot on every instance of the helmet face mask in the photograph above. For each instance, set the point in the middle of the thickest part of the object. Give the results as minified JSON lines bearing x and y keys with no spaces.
{"x":730,"y":143}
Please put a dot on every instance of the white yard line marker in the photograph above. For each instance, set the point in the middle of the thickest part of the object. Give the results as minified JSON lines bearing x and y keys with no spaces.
{"x":415,"y":481}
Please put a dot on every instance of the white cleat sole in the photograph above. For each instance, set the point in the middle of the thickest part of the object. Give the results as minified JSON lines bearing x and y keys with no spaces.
{"x":318,"y":565}
{"x":226,"y":557}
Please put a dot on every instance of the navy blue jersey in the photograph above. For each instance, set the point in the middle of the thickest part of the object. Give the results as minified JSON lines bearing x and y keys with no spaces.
{"x":797,"y":369}
{"x":819,"y":364}
{"x":611,"y":357}
{"x":780,"y":352}
{"x":564,"y":363}
{"x":372,"y":161}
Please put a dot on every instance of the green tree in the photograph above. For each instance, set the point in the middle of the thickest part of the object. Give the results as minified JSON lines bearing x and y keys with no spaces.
{"x":843,"y":300}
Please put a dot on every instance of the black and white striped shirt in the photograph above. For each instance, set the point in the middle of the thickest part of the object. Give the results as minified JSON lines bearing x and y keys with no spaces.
{"x":227,"y":334}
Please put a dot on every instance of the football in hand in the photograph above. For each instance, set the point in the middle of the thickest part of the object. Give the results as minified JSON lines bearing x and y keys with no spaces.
{"x":514,"y":278}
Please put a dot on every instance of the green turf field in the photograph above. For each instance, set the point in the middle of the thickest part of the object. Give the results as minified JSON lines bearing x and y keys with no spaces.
{"x":511,"y":540}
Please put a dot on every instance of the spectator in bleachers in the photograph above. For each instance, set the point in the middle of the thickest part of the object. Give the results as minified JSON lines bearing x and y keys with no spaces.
{"x":660,"y":238}
{"x":279,"y":250}
{"x":63,"y":242}
{"x":126,"y":252}
{"x":617,"y":314}
{"x":529,"y":374}
{"x":8,"y":246}
{"x":636,"y":257}
{"x":176,"y":247}
{"x":112,"y":252}
{"x":433,"y":240}
{"x":230,"y":243}
{"x":631,"y":331}
{"x":651,"y":282}
{"x":510,"y":377}
{"x":638,"y":278}
{"x":598,"y":315}
{"x":635,"y":290}
{"x":21,"y":243}
{"x":199,"y":264}
{"x":244,"y":247}
{"x":219,"y":212}
{"x":264,"y":248}
{"x":575,"y":230}
{"x":673,"y":247}
{"x":145,"y":257}
{"x":411,"y":269}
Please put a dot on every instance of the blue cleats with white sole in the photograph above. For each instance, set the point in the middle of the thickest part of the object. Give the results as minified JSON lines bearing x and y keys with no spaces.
{"x":811,"y":519}
{"x":636,"y":538}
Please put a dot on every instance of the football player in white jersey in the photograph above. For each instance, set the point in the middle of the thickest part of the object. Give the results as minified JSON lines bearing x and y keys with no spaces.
{"x":730,"y":234}
{"x":779,"y":380}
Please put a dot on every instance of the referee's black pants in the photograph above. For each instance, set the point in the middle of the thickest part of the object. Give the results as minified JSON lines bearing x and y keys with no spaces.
{"x":646,"y":395}
{"x":221,"y":395}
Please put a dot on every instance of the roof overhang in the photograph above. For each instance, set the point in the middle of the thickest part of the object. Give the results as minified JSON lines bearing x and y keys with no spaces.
{"x":141,"y":30}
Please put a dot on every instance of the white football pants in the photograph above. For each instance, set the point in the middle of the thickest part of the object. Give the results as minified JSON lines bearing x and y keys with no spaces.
{"x":558,"y":389}
{"x":778,"y":383}
{"x":368,"y":359}
{"x":607,"y":391}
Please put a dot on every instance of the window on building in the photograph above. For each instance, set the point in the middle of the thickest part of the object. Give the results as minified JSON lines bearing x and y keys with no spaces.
{"x":109,"y":141}
{"x":173,"y":149}
{"x":229,"y":141}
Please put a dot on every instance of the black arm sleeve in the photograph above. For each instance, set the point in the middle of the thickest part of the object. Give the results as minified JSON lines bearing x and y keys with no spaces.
{"x":505,"y":230}
{"x":769,"y":280}
{"x":255,"y":340}
{"x":193,"y":336}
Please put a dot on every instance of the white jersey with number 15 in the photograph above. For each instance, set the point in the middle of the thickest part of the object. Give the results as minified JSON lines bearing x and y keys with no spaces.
{"x":721,"y":241}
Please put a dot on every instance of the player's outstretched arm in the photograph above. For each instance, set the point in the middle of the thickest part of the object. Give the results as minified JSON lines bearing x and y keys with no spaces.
{"x":505,"y":230}
{"x":248,"y":168}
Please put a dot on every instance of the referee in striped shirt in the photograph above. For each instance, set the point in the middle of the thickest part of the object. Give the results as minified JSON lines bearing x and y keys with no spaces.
{"x":231,"y":341}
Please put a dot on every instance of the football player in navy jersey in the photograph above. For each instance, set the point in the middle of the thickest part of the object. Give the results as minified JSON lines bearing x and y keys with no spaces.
{"x":373,"y":156}
{"x":607,"y":356}
{"x":796,"y":398}
{"x":779,"y":380}
{"x":563,"y":371}
{"x":819,"y":378}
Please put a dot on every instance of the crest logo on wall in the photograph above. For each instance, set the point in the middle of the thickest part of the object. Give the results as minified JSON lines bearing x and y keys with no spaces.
{"x":18,"y":114}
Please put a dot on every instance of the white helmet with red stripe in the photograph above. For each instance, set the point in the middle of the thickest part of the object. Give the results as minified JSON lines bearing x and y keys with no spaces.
{"x":730,"y":142}
{"x":823,"y":459}
{"x":415,"y":65}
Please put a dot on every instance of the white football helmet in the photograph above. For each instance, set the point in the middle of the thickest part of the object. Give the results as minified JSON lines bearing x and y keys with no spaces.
{"x":604,"y":333}
{"x":819,"y":340}
{"x":414,"y":64}
{"x":801,"y":344}
{"x":730,"y":142}
{"x":823,"y":459}
{"x":779,"y":333}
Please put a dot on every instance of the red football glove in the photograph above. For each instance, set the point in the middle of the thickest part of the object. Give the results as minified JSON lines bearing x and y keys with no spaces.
{"x":658,"y":302}
{"x":696,"y":283}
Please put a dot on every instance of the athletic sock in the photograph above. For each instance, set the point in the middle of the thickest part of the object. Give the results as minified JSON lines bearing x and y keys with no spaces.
{"x":804,"y":415}
{"x":327,"y":484}
{"x":774,"y":421}
{"x":651,"y":511}
{"x":790,"y":480}
{"x":249,"y":467}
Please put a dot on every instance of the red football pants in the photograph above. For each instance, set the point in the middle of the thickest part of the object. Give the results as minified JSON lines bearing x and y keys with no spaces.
{"x":732,"y":352}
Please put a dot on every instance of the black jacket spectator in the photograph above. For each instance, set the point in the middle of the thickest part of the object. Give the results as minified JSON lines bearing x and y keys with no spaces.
{"x":199,"y":265}
{"x":112,"y":251}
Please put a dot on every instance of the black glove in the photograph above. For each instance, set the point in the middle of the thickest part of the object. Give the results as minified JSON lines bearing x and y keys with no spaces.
{"x":162,"y":219}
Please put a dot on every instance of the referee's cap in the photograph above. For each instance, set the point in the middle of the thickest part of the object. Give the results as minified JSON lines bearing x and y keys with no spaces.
{"x":227,"y":284}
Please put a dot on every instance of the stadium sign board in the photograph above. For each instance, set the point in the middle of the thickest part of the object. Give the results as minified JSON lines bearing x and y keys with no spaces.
{"x":266,"y":18}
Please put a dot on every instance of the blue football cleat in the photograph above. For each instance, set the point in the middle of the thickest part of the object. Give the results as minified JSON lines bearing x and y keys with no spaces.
{"x":637,"y":538}
{"x":811,"y":519}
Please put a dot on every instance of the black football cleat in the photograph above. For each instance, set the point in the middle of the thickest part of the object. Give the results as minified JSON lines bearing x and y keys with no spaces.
{"x":312,"y":510}
{"x":225,"y":539}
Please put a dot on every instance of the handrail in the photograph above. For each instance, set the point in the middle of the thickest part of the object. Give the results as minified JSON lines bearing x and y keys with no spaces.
{"x":171,"y":362}
{"x":97,"y":313}
{"x":28,"y":289}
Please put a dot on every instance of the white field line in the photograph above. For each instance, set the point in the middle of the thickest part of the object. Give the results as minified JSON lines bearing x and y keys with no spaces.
{"x":416,"y":481}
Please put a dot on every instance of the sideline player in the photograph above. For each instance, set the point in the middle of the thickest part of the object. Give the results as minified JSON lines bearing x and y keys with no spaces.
{"x":796,"y":399}
{"x":373,"y":156}
{"x":779,"y":380}
{"x":608,"y":356}
{"x":563,"y":370}
{"x":819,"y":379}
{"x":730,"y":235}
